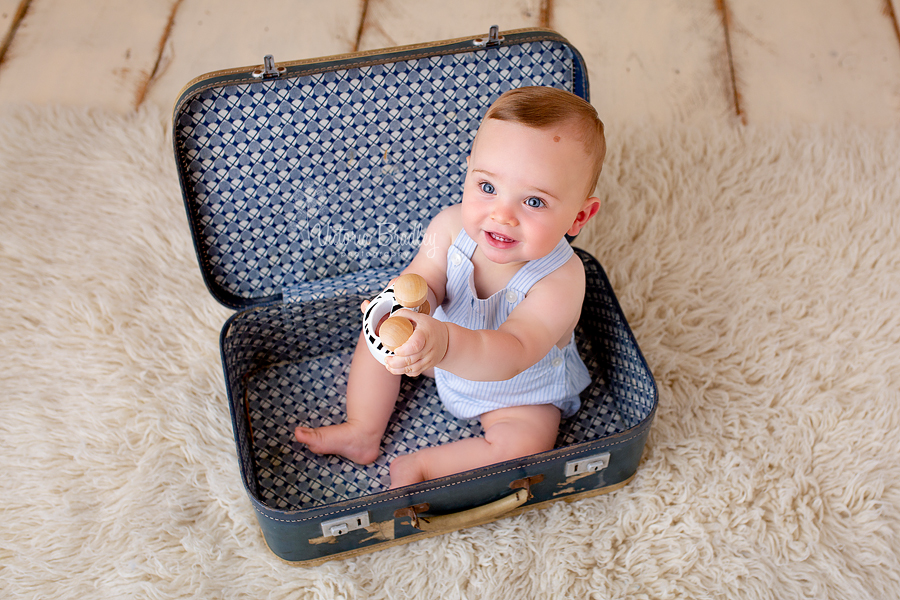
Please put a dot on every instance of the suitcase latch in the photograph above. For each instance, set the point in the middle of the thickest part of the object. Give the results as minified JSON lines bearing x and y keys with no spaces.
{"x":493,"y":39}
{"x":591,"y":464}
{"x":269,"y":70}
{"x":343,"y":525}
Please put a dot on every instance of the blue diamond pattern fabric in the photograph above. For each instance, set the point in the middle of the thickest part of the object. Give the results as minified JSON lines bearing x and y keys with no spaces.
{"x":287,"y":366}
{"x":301,"y":179}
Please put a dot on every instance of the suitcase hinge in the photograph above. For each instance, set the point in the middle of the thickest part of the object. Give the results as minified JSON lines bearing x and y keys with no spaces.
{"x":493,"y":39}
{"x":269,"y":70}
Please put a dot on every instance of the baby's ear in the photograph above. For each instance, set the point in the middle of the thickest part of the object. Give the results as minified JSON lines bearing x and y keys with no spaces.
{"x":590,"y":208}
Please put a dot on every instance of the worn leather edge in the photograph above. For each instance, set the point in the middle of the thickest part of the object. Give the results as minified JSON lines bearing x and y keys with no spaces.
{"x":427,"y":534}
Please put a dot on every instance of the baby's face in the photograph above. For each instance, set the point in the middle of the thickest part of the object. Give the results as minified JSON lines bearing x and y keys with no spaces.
{"x":524,"y":189}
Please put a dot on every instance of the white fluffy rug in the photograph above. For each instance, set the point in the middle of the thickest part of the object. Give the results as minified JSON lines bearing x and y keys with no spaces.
{"x":760,"y":271}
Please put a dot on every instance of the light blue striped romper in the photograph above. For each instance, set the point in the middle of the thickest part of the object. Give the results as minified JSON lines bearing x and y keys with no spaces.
{"x":556,"y":379}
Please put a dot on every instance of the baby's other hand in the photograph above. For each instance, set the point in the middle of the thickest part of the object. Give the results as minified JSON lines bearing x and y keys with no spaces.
{"x":425,"y":348}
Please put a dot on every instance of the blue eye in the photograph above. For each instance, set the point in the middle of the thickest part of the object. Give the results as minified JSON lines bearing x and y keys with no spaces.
{"x":486,"y":187}
{"x":534,"y":202}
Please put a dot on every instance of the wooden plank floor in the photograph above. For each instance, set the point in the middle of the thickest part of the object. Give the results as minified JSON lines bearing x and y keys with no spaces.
{"x":752,"y":60}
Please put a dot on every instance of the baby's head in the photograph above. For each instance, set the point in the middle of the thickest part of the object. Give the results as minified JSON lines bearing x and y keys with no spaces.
{"x":533,"y":167}
{"x":544,"y":107}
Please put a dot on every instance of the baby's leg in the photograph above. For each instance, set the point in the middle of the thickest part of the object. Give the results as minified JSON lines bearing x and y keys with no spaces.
{"x":508,"y":433}
{"x":371,"y":394}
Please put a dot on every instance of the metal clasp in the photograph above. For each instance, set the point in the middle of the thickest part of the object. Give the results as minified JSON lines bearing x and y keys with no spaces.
{"x":493,"y":39}
{"x":590,"y":464}
{"x":269,"y":69}
{"x":344,"y":525}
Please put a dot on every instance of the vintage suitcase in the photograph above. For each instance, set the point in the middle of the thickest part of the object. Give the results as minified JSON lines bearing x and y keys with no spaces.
{"x":307,"y":186}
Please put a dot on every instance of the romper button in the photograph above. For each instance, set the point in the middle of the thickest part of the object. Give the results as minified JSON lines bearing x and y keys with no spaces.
{"x":457,"y":259}
{"x":556,"y":361}
{"x":511,"y":296}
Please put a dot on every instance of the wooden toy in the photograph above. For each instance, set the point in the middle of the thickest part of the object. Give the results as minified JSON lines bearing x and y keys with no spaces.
{"x":386,"y":332}
{"x":394,"y":332}
{"x":411,"y":290}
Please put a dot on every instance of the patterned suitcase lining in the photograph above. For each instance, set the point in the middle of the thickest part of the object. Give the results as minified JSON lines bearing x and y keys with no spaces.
{"x":289,"y":366}
{"x":296,"y":180}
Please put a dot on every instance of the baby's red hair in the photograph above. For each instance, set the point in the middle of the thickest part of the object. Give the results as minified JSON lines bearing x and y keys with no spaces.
{"x":541,"y":107}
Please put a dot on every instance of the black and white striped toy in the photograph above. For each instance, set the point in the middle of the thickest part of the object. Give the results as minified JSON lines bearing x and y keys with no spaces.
{"x":384,"y":331}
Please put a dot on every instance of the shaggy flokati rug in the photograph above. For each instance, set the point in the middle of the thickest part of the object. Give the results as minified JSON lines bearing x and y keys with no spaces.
{"x":759,"y":269}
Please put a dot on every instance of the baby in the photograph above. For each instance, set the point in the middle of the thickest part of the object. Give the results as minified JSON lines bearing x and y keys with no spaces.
{"x":509,"y":291}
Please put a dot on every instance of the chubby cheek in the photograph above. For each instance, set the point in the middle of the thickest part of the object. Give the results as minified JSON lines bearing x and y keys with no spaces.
{"x":473,"y":210}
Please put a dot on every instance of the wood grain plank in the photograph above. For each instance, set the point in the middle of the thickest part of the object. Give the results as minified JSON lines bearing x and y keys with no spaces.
{"x":82,"y":52}
{"x":9,"y":14}
{"x":401,"y":22}
{"x":892,"y":11}
{"x":651,"y":60}
{"x":671,"y":64}
{"x":7,"y":10}
{"x":817,"y":62}
{"x":233,"y":33}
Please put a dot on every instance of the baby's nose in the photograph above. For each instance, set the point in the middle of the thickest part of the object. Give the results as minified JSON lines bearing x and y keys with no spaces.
{"x":503,"y":215}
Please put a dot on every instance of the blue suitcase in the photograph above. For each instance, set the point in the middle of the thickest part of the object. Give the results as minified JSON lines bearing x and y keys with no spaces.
{"x":307,"y":185}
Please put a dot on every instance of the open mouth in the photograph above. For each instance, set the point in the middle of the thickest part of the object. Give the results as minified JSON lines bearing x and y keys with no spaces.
{"x":502,"y":239}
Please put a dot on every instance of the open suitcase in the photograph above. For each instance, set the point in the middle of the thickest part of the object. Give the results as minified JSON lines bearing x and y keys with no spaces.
{"x":307,"y":186}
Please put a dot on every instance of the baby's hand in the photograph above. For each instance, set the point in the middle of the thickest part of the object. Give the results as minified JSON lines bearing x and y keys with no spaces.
{"x":425,"y":348}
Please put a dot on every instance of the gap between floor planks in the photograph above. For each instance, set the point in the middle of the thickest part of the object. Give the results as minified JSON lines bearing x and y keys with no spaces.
{"x":545,"y":19}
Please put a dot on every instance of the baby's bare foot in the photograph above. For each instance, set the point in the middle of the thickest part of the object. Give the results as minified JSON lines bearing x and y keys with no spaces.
{"x":346,"y":439}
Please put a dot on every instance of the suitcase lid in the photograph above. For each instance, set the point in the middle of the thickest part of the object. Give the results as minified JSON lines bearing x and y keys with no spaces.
{"x":307,"y":176}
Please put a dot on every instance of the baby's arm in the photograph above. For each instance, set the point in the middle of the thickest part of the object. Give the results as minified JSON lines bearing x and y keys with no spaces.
{"x":431,"y":260}
{"x":543,"y":319}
